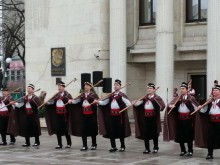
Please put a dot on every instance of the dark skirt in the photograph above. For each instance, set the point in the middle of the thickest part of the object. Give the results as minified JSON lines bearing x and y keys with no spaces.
{"x":3,"y":124}
{"x":184,"y":131}
{"x":149,"y":128}
{"x":31,"y":126}
{"x":89,"y":125}
{"x":61,"y":126}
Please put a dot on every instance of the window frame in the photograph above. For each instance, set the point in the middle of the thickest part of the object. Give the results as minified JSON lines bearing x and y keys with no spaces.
{"x":199,"y":13}
{"x":151,"y":14}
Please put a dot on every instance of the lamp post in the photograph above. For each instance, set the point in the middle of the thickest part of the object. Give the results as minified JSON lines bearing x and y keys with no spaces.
{"x":3,"y":69}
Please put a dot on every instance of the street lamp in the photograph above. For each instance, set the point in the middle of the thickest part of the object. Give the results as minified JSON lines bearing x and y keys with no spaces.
{"x":3,"y":70}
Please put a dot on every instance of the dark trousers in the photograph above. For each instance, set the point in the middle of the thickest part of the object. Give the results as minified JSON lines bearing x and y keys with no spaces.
{"x":113,"y":143}
{"x":147,"y":143}
{"x":84,"y":140}
{"x":190,"y":147}
{"x":213,"y":136}
{"x":37,"y":140}
{"x":12,"y":138}
{"x":68,"y":139}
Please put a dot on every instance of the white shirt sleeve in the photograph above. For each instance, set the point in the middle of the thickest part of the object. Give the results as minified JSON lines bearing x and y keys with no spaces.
{"x":204,"y":109}
{"x":75,"y":101}
{"x":19,"y":105}
{"x":50,"y":102}
{"x":126,"y":101}
{"x":103,"y":102}
{"x":138,"y":103}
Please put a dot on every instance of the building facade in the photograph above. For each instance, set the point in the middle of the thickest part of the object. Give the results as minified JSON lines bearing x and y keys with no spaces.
{"x":138,"y":41}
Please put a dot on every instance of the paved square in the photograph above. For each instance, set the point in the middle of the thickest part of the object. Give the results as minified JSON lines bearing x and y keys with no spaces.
{"x":47,"y":155}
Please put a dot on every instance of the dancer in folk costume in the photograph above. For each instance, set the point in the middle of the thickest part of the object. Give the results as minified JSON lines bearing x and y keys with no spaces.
{"x":147,"y":118}
{"x":178,"y":122}
{"x":207,"y":128}
{"x":113,"y":124}
{"x":89,"y":125}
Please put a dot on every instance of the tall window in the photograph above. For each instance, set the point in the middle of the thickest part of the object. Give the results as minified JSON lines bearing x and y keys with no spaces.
{"x":196,"y":10}
{"x":147,"y":12}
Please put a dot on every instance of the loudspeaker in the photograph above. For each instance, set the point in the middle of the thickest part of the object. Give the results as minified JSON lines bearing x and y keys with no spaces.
{"x":96,"y":77}
{"x":58,"y":80}
{"x":85,"y":77}
{"x":107,"y":85}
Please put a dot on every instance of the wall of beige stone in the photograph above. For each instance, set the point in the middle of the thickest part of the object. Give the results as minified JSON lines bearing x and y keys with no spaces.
{"x":82,"y":28}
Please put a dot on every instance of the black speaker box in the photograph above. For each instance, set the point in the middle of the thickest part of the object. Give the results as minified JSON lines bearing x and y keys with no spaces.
{"x":85,"y":77}
{"x":58,"y":80}
{"x":96,"y":77}
{"x":107,"y":85}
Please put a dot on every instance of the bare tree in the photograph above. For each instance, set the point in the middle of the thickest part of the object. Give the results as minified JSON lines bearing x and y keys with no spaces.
{"x":12,"y":28}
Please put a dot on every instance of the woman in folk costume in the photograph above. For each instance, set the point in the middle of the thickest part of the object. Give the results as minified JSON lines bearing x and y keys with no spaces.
{"x":57,"y":114}
{"x":178,"y":122}
{"x":5,"y":114}
{"x":89,"y":125}
{"x":113,"y":124}
{"x":147,"y":118}
{"x":28,"y":119}
{"x":207,"y":126}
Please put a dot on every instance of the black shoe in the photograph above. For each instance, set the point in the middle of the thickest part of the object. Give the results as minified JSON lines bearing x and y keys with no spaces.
{"x":93,"y":147}
{"x":68,"y":146}
{"x":36,"y":144}
{"x":84,"y":149}
{"x":3,"y":143}
{"x":58,"y":147}
{"x":209,"y":157}
{"x":146,"y":151}
{"x":189,"y":154}
{"x":113,"y":149}
{"x":155,"y":150}
{"x":182,"y":153}
{"x":122,"y":149}
{"x":12,"y":142}
{"x":26,"y":145}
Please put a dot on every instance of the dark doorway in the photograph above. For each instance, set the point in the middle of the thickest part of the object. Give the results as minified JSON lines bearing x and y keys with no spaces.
{"x":199,"y":84}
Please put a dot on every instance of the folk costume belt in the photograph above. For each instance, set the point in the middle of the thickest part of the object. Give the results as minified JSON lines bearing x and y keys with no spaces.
{"x":60,"y":110}
{"x":215,"y":118}
{"x":87,"y":110}
{"x":29,"y":111}
{"x":184,"y":116}
{"x":4,"y":113}
{"x":115,"y":112}
{"x":149,"y":113}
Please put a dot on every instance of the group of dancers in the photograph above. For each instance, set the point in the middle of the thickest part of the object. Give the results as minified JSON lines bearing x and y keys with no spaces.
{"x":87,"y":115}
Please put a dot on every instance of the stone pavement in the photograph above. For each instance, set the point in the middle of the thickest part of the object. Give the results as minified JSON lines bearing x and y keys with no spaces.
{"x":47,"y":155}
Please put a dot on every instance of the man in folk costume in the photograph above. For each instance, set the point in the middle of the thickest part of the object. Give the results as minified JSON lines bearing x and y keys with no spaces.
{"x":89,"y":115}
{"x":56,"y":115}
{"x":29,"y":123}
{"x":207,"y":128}
{"x":5,"y":112}
{"x":147,"y":118}
{"x":114,"y":124}
{"x":179,"y":124}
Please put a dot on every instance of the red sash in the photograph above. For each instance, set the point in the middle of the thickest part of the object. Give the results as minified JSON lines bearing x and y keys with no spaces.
{"x":215,"y":118}
{"x":184,"y":116}
{"x":115,"y":112}
{"x":149,"y":113}
{"x":87,"y":110}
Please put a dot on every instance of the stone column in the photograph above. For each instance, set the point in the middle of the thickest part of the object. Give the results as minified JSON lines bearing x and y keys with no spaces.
{"x":118,"y":40}
{"x":213,"y":48}
{"x":164,"y":49}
